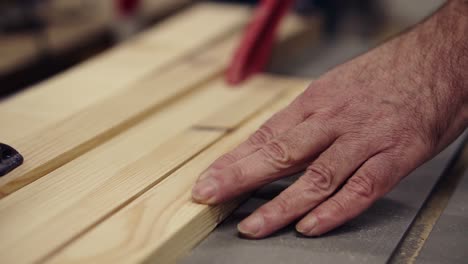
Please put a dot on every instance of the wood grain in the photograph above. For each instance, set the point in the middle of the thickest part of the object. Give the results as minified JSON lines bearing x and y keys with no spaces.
{"x":135,"y":137}
{"x":61,"y":142}
{"x":163,"y":223}
{"x":75,"y":206}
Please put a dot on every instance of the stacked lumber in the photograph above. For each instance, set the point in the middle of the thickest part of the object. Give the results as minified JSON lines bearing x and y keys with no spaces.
{"x":113,"y":146}
{"x":65,"y":33}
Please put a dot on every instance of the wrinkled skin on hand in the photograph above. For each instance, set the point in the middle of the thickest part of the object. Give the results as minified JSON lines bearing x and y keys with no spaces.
{"x":357,"y":131}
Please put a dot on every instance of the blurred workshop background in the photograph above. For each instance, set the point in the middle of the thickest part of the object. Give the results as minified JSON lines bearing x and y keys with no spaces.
{"x":40,"y":38}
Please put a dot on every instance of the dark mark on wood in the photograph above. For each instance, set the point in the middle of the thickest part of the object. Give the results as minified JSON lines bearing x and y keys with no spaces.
{"x":10,"y":159}
{"x":212,"y":128}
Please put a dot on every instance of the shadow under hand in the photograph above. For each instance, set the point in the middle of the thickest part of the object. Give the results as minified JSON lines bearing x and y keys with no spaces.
{"x":384,"y":213}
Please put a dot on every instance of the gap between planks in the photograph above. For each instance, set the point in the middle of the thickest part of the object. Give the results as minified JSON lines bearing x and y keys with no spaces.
{"x":91,"y":201}
{"x":59,"y":143}
{"x":62,"y":188}
{"x":12,"y":206}
{"x":163,"y":224}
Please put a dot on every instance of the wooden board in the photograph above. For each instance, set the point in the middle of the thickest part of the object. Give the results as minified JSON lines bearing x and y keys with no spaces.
{"x":101,"y":157}
{"x":163,"y":223}
{"x":90,"y":199}
{"x":62,"y":141}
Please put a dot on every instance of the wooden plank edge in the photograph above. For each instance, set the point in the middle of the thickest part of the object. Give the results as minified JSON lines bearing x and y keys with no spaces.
{"x":156,"y":197}
{"x":208,"y":64}
{"x":139,"y":176}
{"x":60,"y":143}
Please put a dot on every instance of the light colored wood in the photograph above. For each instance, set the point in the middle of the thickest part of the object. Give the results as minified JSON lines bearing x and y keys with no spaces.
{"x":59,"y":143}
{"x":76,"y":206}
{"x":71,"y":200}
{"x":115,"y":70}
{"x":265,"y":90}
{"x":163,"y":223}
{"x":54,"y":193}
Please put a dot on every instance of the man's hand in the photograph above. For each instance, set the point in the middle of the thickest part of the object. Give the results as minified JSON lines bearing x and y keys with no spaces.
{"x":357,"y":131}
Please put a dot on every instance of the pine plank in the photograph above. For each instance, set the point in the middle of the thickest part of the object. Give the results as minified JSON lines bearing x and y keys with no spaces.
{"x":59,"y":143}
{"x":49,"y":197}
{"x":73,"y":207}
{"x":163,"y":223}
{"x":53,"y":193}
{"x":115,"y":70}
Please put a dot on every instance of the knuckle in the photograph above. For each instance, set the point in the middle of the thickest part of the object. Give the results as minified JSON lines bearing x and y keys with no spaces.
{"x":224,"y":160}
{"x":279,"y":207}
{"x":337,"y":205}
{"x":282,"y":205}
{"x":326,"y":131}
{"x":237,"y":174}
{"x":319,"y":178}
{"x":277,"y":154}
{"x":261,"y":136}
{"x":361,"y":185}
{"x":408,"y":141}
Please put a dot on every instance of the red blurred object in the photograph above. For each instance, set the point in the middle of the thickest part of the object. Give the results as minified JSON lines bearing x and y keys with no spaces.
{"x":127,"y":7}
{"x":255,"y":48}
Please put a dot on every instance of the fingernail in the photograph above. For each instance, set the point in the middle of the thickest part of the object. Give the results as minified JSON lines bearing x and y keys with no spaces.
{"x":307,"y":226}
{"x":204,"y":191}
{"x":252,"y":225}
